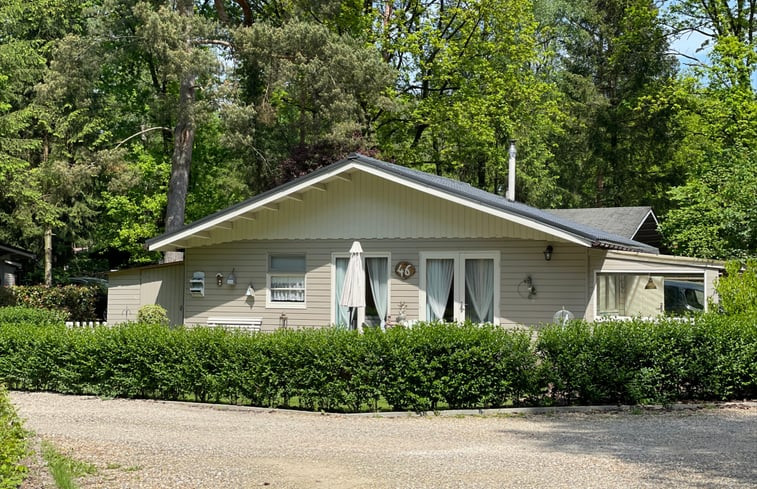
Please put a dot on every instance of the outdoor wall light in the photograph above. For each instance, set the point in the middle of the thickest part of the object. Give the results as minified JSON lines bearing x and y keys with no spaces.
{"x":526,"y":288}
{"x":548,"y":252}
{"x":231,"y":279}
{"x":283,"y":321}
{"x":219,"y":279}
{"x":650,"y":284}
{"x":250,"y":291}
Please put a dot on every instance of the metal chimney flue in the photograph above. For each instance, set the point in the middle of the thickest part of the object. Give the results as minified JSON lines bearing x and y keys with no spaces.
{"x":511,"y":172}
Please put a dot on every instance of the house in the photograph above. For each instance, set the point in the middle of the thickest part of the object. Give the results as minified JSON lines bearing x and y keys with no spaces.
{"x":10,"y":264}
{"x":434,"y":248}
{"x":636,"y":223}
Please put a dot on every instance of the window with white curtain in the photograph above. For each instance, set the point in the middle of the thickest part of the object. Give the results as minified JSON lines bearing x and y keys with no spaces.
{"x":286,"y":280}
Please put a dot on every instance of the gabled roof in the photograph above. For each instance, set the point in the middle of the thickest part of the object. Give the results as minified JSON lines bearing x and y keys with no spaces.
{"x":623,"y":221}
{"x":445,"y":188}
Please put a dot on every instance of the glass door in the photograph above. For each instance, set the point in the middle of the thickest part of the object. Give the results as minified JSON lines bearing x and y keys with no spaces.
{"x":460,"y":287}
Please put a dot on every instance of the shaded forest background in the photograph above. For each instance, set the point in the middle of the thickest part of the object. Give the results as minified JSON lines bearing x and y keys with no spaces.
{"x":123,"y":119}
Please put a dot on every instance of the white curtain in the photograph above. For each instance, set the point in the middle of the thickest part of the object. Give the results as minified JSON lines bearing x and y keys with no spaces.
{"x":341,"y":313}
{"x":379,"y":278}
{"x":479,"y":285}
{"x":439,"y":275}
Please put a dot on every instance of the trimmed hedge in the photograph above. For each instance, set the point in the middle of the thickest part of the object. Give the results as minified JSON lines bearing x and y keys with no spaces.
{"x":329,"y":369}
{"x":39,"y":317}
{"x":431,"y":366}
{"x":13,"y":447}
{"x":710,"y":358}
{"x":78,"y":302}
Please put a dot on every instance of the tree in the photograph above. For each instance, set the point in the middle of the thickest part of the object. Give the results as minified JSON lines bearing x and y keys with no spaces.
{"x":467,"y":85}
{"x":316,"y":97}
{"x":620,"y":94}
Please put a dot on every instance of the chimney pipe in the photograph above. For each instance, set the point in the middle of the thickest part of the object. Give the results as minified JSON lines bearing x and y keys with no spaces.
{"x":511,"y":173}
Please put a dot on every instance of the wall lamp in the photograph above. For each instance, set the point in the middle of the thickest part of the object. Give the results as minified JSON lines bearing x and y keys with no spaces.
{"x":548,"y":252}
{"x":650,"y":284}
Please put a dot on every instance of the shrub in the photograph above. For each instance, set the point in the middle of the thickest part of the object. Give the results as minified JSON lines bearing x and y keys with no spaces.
{"x":13,"y":447}
{"x":40,"y":317}
{"x":738,"y":288}
{"x":711,"y":357}
{"x":76,"y":301}
{"x":152,"y":314}
{"x":428,"y":367}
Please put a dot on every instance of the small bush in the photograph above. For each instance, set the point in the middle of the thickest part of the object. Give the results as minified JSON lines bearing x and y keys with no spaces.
{"x":152,"y":314}
{"x":13,"y":446}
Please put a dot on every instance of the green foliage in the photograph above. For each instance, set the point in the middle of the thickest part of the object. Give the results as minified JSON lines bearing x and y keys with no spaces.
{"x":737,"y":289}
{"x":76,"y":302}
{"x":31,"y":315}
{"x":710,"y":357}
{"x":428,"y":367}
{"x":13,"y":445}
{"x":152,"y":314}
{"x":326,"y":369}
{"x":715,"y":216}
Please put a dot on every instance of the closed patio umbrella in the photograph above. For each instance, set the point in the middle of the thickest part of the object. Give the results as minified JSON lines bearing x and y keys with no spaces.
{"x":353,"y":291}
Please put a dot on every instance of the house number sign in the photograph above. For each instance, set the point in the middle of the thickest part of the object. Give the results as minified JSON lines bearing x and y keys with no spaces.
{"x":404,"y":270}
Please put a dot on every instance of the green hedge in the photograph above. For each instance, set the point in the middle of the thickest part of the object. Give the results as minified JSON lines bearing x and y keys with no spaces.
{"x":77,"y":302}
{"x":431,"y":366}
{"x":39,"y":317}
{"x":13,"y":447}
{"x":325,"y":369}
{"x":710,"y":357}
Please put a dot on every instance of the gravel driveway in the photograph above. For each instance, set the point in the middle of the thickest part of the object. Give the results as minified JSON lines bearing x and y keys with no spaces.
{"x":147,"y":444}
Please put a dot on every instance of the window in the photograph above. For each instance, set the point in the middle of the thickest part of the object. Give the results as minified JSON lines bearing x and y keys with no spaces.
{"x":649,"y":294}
{"x":286,"y":280}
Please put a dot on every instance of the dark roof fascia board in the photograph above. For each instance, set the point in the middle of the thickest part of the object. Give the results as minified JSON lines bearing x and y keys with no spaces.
{"x":16,"y":251}
{"x":425,"y":182}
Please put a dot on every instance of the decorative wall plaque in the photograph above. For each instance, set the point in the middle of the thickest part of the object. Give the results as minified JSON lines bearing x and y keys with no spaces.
{"x":404,"y":270}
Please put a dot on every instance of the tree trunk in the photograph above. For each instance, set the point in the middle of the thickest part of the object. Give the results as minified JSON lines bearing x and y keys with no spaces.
{"x":183,"y":140}
{"x":48,"y":257}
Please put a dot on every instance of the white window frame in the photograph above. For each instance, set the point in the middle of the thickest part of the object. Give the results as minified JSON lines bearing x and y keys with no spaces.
{"x":651,"y":272}
{"x":459,"y":258}
{"x":269,"y":302}
{"x":361,"y":310}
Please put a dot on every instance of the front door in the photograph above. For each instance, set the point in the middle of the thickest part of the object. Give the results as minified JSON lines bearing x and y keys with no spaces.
{"x":460,"y":286}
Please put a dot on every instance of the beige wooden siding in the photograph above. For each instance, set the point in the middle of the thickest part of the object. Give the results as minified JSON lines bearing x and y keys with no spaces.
{"x":129,"y":290}
{"x":123,"y":296}
{"x":372,"y":208}
{"x":560,"y":282}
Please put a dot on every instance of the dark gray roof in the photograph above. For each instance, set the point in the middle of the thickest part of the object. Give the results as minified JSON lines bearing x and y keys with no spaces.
{"x":623,"y":221}
{"x":597,"y":237}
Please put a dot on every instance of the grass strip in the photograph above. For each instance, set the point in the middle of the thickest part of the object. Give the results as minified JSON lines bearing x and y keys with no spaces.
{"x":65,"y":470}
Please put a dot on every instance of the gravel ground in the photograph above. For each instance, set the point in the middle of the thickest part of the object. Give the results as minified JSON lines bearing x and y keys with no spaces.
{"x":148,"y":444}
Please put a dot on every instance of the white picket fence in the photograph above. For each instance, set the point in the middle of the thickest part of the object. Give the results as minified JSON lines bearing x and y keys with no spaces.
{"x":84,"y":324}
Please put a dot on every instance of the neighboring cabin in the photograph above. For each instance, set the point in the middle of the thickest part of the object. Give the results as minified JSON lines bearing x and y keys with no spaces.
{"x":10,"y":264}
{"x":434,"y":248}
